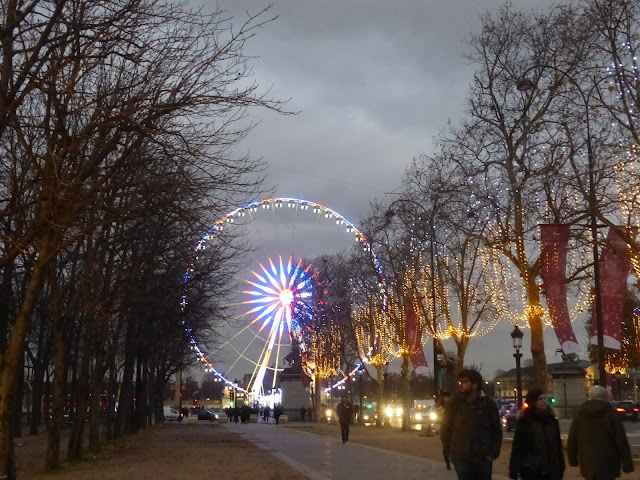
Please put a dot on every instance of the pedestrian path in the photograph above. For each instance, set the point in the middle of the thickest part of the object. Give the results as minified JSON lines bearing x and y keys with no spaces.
{"x":322,"y":457}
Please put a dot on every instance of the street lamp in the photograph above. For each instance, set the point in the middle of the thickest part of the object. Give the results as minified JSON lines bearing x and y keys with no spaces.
{"x":525,"y":84}
{"x":516,"y":336}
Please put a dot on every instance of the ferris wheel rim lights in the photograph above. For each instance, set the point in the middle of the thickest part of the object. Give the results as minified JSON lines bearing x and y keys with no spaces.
{"x":252,"y":207}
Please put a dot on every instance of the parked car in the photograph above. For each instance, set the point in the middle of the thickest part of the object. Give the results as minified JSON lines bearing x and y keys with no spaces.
{"x":510,"y":419}
{"x":170,"y":413}
{"x":205,"y":414}
{"x":626,"y":410}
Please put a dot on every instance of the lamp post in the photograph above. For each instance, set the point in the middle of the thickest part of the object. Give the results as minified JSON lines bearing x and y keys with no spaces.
{"x":516,"y":336}
{"x":525,"y":84}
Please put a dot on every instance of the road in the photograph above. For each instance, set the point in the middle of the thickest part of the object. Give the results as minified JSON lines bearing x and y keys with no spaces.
{"x":633,"y":431}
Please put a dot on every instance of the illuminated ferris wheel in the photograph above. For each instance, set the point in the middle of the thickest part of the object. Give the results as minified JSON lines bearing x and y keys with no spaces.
{"x":277,"y":294}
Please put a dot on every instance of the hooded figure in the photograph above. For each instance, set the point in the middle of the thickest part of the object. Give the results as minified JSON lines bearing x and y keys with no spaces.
{"x":536,"y":450}
{"x":597,"y":440}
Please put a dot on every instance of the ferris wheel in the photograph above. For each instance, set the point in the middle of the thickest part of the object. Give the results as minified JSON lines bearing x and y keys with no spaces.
{"x":253,"y":347}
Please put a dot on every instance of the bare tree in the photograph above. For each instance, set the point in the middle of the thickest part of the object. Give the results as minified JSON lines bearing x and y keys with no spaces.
{"x":139,"y":101}
{"x":512,"y":149}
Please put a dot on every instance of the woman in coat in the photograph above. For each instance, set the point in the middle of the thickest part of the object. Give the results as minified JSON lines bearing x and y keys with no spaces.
{"x":536,"y":452}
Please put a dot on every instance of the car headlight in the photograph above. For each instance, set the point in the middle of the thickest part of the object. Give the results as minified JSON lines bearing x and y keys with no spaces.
{"x":504,"y":421}
{"x":433,"y":415}
{"x":328,"y":413}
{"x":399,"y":412}
{"x":366,"y":417}
{"x":418,"y":416}
{"x":389,"y":411}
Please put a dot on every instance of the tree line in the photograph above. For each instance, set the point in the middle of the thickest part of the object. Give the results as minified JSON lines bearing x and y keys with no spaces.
{"x":117,"y":120}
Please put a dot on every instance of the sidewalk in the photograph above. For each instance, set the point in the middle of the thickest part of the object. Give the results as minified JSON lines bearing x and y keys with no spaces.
{"x":325,"y":457}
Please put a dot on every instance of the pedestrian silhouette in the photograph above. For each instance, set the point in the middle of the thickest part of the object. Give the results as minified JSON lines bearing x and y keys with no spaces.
{"x":597,"y":441}
{"x":442,"y":415}
{"x":265,"y":413}
{"x":471,"y":434}
{"x":345,"y":413}
{"x":303,"y":413}
{"x":277,"y":412}
{"x":536,"y":450}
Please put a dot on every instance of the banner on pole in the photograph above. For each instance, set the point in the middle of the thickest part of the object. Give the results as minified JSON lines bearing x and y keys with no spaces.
{"x":553,"y":253}
{"x":615,"y":262}
{"x":414,"y":338}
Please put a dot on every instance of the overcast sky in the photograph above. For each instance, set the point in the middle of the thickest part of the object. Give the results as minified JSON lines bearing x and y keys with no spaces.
{"x":374,"y":81}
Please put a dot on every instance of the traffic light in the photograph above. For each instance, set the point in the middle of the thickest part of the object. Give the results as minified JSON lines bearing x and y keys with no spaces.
{"x":552,"y":399}
{"x":231,"y":394}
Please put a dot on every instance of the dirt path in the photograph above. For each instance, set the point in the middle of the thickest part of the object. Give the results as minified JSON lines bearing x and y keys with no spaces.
{"x":171,"y":451}
{"x":181,"y":451}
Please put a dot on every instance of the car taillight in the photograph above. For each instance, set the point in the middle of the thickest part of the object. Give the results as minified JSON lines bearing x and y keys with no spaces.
{"x":635,"y":410}
{"x":619,"y":409}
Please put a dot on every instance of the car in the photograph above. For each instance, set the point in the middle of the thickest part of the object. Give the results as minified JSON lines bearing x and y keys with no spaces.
{"x":510,"y":419}
{"x":171,"y":414}
{"x":205,"y":414}
{"x":626,"y":410}
{"x":504,"y":409}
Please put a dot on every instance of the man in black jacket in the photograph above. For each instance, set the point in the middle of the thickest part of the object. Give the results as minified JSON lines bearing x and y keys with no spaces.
{"x":345,"y":412}
{"x":471,"y":433}
{"x":597,"y":440}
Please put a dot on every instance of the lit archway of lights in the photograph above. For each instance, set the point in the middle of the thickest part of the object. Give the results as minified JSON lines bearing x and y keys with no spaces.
{"x":252,"y":209}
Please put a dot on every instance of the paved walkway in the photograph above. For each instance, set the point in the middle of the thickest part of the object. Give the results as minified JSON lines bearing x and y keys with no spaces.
{"x":321,"y":457}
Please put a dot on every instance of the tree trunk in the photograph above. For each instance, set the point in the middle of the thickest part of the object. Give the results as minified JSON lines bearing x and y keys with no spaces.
{"x":9,"y":363}
{"x":406,"y":393}
{"x":76,"y":442}
{"x":17,"y":404}
{"x":52,"y":461}
{"x":380,"y":396}
{"x":535,"y":312}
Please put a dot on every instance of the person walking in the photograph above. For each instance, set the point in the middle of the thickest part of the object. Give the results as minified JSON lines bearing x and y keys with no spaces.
{"x":536,"y":451}
{"x":597,"y":441}
{"x":265,"y":414}
{"x":277,"y":413}
{"x":442,"y":414}
{"x":303,"y":413}
{"x":471,"y":433}
{"x":345,"y":413}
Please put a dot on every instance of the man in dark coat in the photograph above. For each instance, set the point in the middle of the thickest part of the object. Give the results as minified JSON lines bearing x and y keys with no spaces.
{"x":471,"y":433}
{"x":344,"y":412}
{"x":597,"y":440}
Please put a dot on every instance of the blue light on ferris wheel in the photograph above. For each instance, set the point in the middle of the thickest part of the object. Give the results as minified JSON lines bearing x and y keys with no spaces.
{"x":277,"y":291}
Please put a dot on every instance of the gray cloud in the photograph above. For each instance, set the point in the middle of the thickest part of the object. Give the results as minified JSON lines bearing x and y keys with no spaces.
{"x":374,"y":81}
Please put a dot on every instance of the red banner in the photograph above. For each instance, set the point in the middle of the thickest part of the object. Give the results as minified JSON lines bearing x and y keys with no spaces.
{"x":414,"y":338}
{"x":553,"y":255}
{"x":615,"y":262}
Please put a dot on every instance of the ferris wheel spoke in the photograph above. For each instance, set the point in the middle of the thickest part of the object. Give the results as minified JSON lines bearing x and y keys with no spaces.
{"x":241,"y":354}
{"x":267,"y":355}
